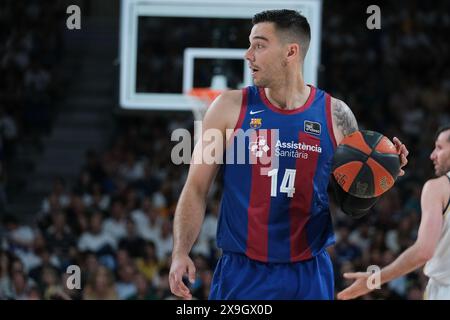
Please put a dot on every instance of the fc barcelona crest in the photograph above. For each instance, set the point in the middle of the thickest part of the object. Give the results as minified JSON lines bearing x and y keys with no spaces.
{"x":255,"y":123}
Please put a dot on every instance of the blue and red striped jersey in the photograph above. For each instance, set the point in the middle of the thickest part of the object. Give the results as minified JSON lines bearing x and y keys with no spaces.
{"x":275,"y":206}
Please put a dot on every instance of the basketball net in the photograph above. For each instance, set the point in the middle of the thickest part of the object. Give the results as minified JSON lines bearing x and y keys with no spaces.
{"x":206,"y":96}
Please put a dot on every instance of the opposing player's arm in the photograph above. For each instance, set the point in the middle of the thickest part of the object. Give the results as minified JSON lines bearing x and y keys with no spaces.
{"x":344,"y":121}
{"x":222,"y":114}
{"x":433,"y":201}
{"x":434,"y":195}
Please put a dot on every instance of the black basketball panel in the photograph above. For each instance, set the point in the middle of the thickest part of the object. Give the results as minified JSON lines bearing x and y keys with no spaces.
{"x":363,"y":185}
{"x":345,"y":154}
{"x":391,"y":162}
{"x":372,"y":138}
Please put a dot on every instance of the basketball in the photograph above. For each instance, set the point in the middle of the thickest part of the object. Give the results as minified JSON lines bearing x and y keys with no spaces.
{"x":366,"y":164}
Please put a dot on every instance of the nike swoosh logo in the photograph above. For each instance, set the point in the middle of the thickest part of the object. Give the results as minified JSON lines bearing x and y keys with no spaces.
{"x":255,"y":112}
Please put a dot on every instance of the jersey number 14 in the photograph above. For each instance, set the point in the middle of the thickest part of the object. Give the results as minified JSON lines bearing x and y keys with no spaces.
{"x":287,"y":184}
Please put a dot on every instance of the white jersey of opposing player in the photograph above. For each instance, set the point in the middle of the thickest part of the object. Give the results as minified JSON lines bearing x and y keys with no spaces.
{"x":438,"y":267}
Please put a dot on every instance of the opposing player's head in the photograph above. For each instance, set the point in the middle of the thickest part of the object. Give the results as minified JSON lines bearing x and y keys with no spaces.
{"x":441,"y":153}
{"x":279,"y":41}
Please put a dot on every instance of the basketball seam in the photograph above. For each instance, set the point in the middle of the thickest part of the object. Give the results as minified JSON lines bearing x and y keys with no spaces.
{"x":356,"y":149}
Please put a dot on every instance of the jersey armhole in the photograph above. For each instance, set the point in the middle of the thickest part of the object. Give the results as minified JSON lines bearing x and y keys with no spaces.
{"x":240,"y":121}
{"x":448,"y":202}
{"x":243,"y":110}
{"x":446,"y":208}
{"x":330,"y":119}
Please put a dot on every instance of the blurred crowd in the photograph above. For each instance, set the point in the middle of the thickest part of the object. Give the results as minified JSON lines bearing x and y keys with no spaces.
{"x":396,"y":80}
{"x":31,"y":48}
{"x":115,"y":221}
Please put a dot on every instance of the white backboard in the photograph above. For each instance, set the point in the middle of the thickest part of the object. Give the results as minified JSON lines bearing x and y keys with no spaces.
{"x":139,"y":48}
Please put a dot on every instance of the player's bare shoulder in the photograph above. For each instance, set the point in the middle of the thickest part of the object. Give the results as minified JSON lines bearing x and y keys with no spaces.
{"x":438,"y":189}
{"x":344,"y":121}
{"x":224,"y":111}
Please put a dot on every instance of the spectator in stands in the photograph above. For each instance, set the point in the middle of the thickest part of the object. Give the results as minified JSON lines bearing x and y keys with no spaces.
{"x":132,"y":242}
{"x":59,"y":237}
{"x":143,"y":289}
{"x":125,"y":285}
{"x":115,"y":225}
{"x":148,"y":264}
{"x":101,"y":285}
{"x":97,"y":240}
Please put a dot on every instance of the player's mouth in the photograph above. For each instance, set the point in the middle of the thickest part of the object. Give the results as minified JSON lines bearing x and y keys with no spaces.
{"x":254,"y":70}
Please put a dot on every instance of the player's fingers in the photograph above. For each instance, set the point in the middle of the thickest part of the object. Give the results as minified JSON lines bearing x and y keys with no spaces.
{"x":191,"y":272}
{"x":182,"y":290}
{"x":354,"y":275}
{"x":398,"y":145}
{"x":397,"y":141}
{"x":350,"y":275}
{"x":404,"y":150}
{"x":401,"y":173}
{"x":345,"y":294}
{"x":404,"y":159}
{"x":173,"y":283}
{"x":177,"y":286}
{"x":342,"y":295}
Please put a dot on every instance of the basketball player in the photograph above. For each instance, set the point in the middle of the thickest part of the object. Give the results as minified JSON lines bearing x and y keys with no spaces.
{"x":432,"y":246}
{"x":274,"y":225}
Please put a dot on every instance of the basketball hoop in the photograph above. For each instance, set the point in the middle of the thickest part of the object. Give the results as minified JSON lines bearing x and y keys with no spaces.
{"x":205,"y":96}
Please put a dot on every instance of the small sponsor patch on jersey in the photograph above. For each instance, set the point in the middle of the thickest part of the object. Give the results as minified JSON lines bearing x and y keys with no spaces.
{"x":312,"y":127}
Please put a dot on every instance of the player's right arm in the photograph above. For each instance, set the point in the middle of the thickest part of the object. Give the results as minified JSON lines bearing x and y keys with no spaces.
{"x":222,"y":114}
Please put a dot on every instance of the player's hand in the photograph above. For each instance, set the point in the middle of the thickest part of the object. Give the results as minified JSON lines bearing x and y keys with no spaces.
{"x":181,"y":265}
{"x":358,"y":288}
{"x":403,"y":152}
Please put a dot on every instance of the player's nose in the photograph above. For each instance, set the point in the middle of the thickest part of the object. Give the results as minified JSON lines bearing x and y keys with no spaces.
{"x":249,"y":55}
{"x":433,"y":155}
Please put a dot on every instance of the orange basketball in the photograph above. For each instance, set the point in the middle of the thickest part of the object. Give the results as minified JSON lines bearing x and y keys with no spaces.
{"x":366,"y":164}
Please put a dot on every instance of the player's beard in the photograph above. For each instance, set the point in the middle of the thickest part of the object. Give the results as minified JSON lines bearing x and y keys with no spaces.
{"x":261,"y":82}
{"x":440,"y":170}
{"x":273,"y":75}
{"x":266,"y":82}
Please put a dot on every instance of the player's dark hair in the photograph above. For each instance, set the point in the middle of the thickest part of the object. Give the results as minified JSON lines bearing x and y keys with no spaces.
{"x":441,"y":129}
{"x":290,"y":22}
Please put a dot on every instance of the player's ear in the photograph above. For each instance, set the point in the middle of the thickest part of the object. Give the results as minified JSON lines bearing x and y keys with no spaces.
{"x":293,"y":51}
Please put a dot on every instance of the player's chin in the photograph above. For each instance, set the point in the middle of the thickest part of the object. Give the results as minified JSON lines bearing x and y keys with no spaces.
{"x":259,"y":82}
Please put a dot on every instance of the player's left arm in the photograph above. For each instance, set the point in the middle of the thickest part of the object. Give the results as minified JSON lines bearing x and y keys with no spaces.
{"x":433,"y":201}
{"x":344,"y":123}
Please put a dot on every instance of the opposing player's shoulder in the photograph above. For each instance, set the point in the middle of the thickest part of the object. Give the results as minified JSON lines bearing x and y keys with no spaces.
{"x":436,"y":190}
{"x":440,"y":185}
{"x":344,"y":121}
{"x":225,"y":109}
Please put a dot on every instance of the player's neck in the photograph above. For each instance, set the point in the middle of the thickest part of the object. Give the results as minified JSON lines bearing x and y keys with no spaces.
{"x":289,"y":94}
